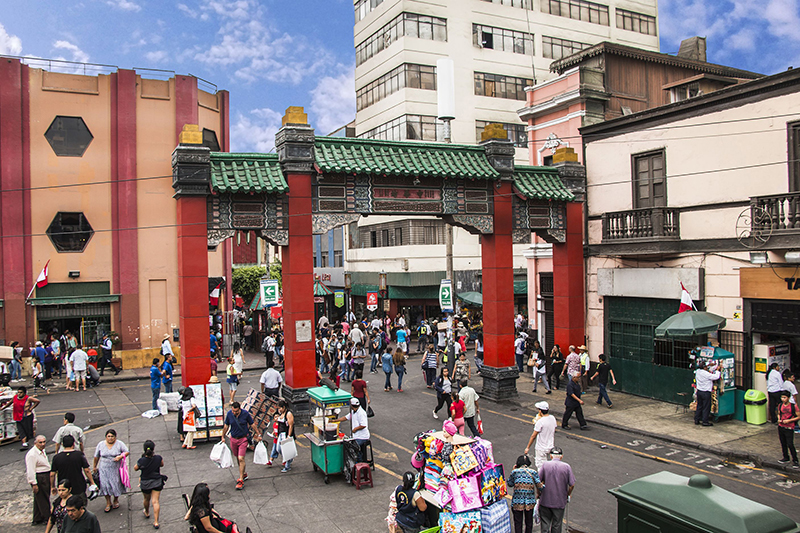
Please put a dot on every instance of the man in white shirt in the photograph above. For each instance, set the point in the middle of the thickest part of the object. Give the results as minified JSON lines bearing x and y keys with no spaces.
{"x":271,"y":380}
{"x":471,"y":409}
{"x":544,"y":432}
{"x":69,"y":428}
{"x":356,"y":335}
{"x":788,"y":385}
{"x":166,"y":347}
{"x":37,"y":469}
{"x":323,"y":322}
{"x":359,"y":424}
{"x":704,"y":380}
{"x":79,"y":359}
{"x":375,"y":324}
{"x":774,"y":388}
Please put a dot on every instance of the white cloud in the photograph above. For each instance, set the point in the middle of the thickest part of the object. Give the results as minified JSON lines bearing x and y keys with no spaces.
{"x":158,"y":56}
{"x":9,"y":44}
{"x":189,"y":12}
{"x":742,"y":40}
{"x":249,"y":45}
{"x":333,"y":101}
{"x":256,"y":131}
{"x":125,"y":5}
{"x":78,"y":55}
{"x":784,"y":18}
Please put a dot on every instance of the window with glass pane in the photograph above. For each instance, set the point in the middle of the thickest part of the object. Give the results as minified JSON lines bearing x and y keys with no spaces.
{"x":638,"y":22}
{"x":577,"y":10}
{"x":650,"y":187}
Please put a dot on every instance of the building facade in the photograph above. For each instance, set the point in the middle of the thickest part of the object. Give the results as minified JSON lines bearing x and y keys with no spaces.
{"x":703,"y":192}
{"x":86,"y":179}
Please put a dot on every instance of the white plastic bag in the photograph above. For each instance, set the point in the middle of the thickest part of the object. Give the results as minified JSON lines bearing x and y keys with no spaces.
{"x":162,"y":407}
{"x":216,"y":452}
{"x":152,"y":413}
{"x":288,"y":449}
{"x":260,"y":457}
{"x":173,"y":400}
{"x":226,"y":461}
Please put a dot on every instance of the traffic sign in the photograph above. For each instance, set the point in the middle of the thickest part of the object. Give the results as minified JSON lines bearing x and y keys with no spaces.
{"x":446,"y":295}
{"x":372,"y":301}
{"x":269,"y":292}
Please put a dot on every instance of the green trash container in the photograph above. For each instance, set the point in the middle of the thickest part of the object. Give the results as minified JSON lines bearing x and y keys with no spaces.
{"x":755,"y":406}
{"x":669,"y":503}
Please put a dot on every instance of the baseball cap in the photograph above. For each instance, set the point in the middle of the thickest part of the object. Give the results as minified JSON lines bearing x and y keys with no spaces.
{"x":354,"y":402}
{"x":544,"y":406}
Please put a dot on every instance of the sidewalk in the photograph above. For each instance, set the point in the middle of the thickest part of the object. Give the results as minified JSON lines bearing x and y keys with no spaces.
{"x":734,"y":439}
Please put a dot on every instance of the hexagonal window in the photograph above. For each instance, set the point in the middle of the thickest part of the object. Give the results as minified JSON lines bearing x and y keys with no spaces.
{"x":68,"y":136}
{"x":70,"y":232}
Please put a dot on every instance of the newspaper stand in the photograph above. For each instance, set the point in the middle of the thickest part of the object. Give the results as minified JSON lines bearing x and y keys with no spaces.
{"x":327,"y":443}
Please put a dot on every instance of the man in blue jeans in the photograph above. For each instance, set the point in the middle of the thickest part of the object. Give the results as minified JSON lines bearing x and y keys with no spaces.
{"x":603,"y":371}
{"x":155,"y":382}
{"x":166,"y":371}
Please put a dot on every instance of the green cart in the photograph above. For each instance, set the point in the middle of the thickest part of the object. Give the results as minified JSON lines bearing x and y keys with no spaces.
{"x":327,"y":443}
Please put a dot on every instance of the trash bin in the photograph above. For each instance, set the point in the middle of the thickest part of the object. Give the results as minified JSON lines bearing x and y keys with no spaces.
{"x":755,"y":406}
{"x":670,"y":503}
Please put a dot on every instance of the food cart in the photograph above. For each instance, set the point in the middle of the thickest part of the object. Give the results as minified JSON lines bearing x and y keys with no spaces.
{"x":327,"y":442}
{"x":723,"y":402}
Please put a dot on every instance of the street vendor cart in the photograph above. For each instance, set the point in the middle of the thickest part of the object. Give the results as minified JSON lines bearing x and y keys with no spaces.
{"x":723,"y":397}
{"x":327,"y":442}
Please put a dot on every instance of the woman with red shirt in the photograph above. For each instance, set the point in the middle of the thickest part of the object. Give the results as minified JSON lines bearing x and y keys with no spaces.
{"x":23,"y":415}
{"x":787,"y":416}
{"x":359,"y":389}
{"x":457,"y":412}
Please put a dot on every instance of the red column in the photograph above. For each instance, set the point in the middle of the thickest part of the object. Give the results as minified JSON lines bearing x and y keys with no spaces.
{"x":498,"y":284}
{"x":568,"y":280}
{"x":193,"y":290}
{"x":15,"y":223}
{"x":298,"y":283}
{"x":124,"y":207}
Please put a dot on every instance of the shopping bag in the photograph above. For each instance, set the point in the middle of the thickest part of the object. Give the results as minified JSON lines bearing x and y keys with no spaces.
{"x":152,"y":413}
{"x":536,"y":518}
{"x":466,"y":494}
{"x":288,"y":449}
{"x":458,"y":522}
{"x":260,"y":457}
{"x":123,"y":473}
{"x":480,"y":425}
{"x":492,"y":483}
{"x":370,"y":412}
{"x":463,"y":460}
{"x":226,"y":460}
{"x":162,"y":407}
{"x":496,"y":518}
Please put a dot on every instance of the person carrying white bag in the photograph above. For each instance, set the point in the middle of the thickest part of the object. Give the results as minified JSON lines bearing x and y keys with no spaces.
{"x":285,"y":443}
{"x":238,"y":421}
{"x":221,"y":455}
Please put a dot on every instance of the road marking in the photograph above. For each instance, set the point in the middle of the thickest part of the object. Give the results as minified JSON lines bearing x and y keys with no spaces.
{"x":387,"y":441}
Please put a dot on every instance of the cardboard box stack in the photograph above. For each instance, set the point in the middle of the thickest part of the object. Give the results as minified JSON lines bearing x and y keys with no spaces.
{"x":261,"y":407}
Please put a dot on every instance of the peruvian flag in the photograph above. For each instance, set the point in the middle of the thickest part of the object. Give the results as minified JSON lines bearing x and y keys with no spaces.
{"x":41,"y":281}
{"x":686,"y":301}
{"x":214,"y":296}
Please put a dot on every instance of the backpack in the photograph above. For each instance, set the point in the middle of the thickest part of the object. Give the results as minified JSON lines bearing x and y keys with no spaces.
{"x":265,"y":344}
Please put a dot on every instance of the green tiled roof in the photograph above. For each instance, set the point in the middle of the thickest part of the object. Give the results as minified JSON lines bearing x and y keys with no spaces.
{"x":540,"y":183}
{"x":246,"y":173}
{"x":338,"y":155}
{"x":320,"y":289}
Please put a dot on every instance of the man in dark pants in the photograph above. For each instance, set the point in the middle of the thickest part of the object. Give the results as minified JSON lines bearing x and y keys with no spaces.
{"x":704,"y":381}
{"x":105,"y":359}
{"x":559,"y":481}
{"x":37,"y":468}
{"x":573,"y":403}
{"x":774,"y":388}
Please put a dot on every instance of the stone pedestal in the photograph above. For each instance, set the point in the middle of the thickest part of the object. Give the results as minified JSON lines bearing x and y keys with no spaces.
{"x":499,"y":384}
{"x":299,"y":405}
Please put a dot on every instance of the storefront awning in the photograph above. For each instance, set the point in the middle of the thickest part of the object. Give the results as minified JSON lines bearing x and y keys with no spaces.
{"x":73,"y":300}
{"x":256,"y":303}
{"x":361,"y":289}
{"x":320,"y":289}
{"x":521,"y":287}
{"x":413,"y":293}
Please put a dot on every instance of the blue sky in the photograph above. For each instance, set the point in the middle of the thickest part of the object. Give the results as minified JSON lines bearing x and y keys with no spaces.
{"x":271,"y":54}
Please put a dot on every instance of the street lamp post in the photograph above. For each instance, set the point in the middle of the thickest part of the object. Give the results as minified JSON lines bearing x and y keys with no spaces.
{"x":382,"y":290}
{"x":348,"y":284}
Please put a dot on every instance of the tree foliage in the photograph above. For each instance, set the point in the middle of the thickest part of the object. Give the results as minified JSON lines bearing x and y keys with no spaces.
{"x":245,"y":281}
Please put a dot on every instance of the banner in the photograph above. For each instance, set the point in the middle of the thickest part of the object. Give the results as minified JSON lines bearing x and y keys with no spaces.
{"x":372,"y":301}
{"x":338,"y":298}
{"x":446,"y":296}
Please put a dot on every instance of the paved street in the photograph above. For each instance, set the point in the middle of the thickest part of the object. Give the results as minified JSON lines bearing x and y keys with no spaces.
{"x":602,"y":458}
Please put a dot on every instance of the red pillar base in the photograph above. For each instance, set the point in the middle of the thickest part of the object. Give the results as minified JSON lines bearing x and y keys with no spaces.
{"x":569,"y":305}
{"x":499,"y":372}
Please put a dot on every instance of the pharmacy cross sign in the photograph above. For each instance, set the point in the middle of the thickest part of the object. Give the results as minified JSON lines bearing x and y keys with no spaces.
{"x":269,"y":292}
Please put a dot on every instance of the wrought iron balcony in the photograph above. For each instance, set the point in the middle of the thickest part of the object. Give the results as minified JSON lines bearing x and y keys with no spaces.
{"x":648,"y":224}
{"x":776,"y":214}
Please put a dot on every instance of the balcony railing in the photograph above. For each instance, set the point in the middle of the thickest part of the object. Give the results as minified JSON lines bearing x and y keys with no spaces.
{"x":651,"y":223}
{"x":776,"y":213}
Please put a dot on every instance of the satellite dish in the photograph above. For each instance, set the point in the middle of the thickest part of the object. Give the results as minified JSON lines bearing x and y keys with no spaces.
{"x":754,"y":227}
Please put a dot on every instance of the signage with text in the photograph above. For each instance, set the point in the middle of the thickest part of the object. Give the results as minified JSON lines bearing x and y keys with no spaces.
{"x":269,"y":292}
{"x":338,"y":298}
{"x":372,"y":301}
{"x":446,"y":296}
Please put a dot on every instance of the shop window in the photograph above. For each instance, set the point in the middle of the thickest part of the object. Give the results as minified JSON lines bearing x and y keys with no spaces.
{"x":68,"y":136}
{"x":210,"y":140}
{"x":70,"y":232}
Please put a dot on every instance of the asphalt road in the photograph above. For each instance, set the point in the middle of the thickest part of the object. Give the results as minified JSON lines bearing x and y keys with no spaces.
{"x":602,"y":458}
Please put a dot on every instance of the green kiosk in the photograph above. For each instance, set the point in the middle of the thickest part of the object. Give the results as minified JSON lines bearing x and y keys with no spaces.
{"x":327,"y":442}
{"x":724,"y":389}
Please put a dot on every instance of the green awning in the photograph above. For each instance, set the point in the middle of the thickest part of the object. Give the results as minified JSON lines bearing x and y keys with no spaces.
{"x":339,"y":155}
{"x":256,"y":303}
{"x":67,"y":300}
{"x":361,"y":289}
{"x":320,"y":289}
{"x":246,"y":173}
{"x":414,"y":293}
{"x":521,"y":287}
{"x":541,"y":183}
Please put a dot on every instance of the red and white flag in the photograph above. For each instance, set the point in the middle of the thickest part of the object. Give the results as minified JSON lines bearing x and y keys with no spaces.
{"x":214,"y":296}
{"x":686,"y":301}
{"x":41,"y":281}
